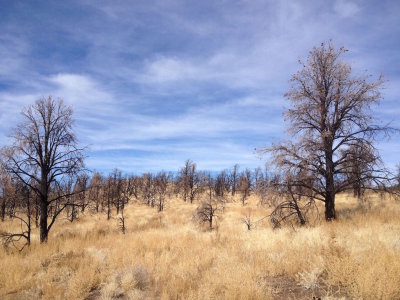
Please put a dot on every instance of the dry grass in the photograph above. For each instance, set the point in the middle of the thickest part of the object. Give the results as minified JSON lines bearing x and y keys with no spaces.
{"x":166,"y":256}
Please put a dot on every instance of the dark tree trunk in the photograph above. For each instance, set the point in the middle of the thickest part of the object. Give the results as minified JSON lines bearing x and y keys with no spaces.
{"x":109,"y":202}
{"x":28,"y":213}
{"x":330,"y":213}
{"x":83,"y":203}
{"x":37,"y":214}
{"x":43,"y":219}
{"x":3,"y":208}
{"x":299,"y":215}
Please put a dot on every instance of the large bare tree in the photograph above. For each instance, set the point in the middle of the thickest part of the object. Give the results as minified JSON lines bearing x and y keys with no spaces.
{"x":44,"y":153}
{"x":330,"y":116}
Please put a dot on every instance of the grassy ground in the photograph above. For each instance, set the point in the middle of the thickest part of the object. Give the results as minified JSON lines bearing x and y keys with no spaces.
{"x":167,"y":256}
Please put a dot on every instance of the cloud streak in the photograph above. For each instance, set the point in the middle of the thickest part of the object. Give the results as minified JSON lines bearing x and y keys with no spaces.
{"x":154,"y":83}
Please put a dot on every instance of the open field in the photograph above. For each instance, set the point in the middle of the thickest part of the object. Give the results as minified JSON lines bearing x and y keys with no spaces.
{"x":167,"y":256}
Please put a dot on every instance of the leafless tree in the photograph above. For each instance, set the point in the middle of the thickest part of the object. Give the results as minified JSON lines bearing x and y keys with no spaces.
{"x":183,"y":181}
{"x":358,"y":170}
{"x":68,"y":188}
{"x":263,"y":187}
{"x":222,"y":184}
{"x":135,"y":185}
{"x":248,"y":220}
{"x":245,"y":185}
{"x":95,"y":190}
{"x":117,"y":189}
{"x":234,"y":178}
{"x":23,"y":215}
{"x":331,"y":113}
{"x":189,"y":181}
{"x":109,"y":195}
{"x":209,"y":210}
{"x":296,"y":202}
{"x":122,"y":222}
{"x":148,"y":190}
{"x":81,"y":189}
{"x":45,"y":150}
{"x":209,"y":183}
{"x":6,"y":189}
{"x":161,"y":186}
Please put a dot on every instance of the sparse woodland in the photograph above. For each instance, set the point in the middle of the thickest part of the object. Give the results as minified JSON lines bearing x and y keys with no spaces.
{"x":320,"y":220}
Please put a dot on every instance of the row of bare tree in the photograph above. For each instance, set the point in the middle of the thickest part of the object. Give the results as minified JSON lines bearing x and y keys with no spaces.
{"x":80,"y":194}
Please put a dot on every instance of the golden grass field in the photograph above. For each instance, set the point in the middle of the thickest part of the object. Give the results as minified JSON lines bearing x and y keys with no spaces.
{"x":167,"y":256}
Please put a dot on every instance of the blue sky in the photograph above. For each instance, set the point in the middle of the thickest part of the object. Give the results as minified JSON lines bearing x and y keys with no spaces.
{"x":154,"y":83}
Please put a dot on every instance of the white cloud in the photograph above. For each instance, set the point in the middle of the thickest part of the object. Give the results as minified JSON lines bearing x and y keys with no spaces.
{"x":166,"y":69}
{"x":346,"y":9}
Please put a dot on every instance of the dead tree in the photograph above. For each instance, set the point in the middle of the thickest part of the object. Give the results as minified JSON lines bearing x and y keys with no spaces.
{"x":82,"y":188}
{"x":330,"y":113}
{"x":221,"y":184}
{"x":263,"y":187}
{"x":245,"y":185}
{"x":248,"y":221}
{"x":44,"y":151}
{"x":117,"y":182}
{"x":234,"y":178}
{"x":135,"y":186}
{"x":69,"y":188}
{"x":148,"y":190}
{"x":95,"y":189}
{"x":24,"y":216}
{"x":6,"y":189}
{"x":209,"y":183}
{"x":109,"y":195}
{"x":297,"y":202}
{"x":161,"y":185}
{"x":122,"y":222}
{"x":184,"y":179}
{"x":358,"y":170}
{"x":209,"y":210}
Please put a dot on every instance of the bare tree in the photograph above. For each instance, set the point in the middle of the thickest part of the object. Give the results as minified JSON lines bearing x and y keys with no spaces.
{"x":184,"y":178}
{"x":209,"y":209}
{"x":297,"y":202}
{"x":161,"y":185}
{"x":44,"y":151}
{"x":95,"y":190}
{"x":357,"y":168}
{"x":148,"y":189}
{"x":222,"y":183}
{"x":117,"y":182}
{"x":248,"y":220}
{"x":122,"y":222}
{"x":234,"y":178}
{"x":6,"y":189}
{"x":263,"y":186}
{"x":330,"y":113}
{"x":245,"y":185}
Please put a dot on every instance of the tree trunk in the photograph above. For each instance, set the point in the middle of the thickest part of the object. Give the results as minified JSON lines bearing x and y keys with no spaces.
{"x":3,"y":208}
{"x":43,"y":219}
{"x":29,"y":213}
{"x":330,"y":213}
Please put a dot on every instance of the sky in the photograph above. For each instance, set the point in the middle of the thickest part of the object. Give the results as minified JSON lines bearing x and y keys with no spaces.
{"x":154,"y":83}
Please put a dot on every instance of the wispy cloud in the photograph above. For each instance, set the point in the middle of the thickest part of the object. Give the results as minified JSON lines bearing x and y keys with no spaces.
{"x":346,"y":9}
{"x":154,"y":83}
